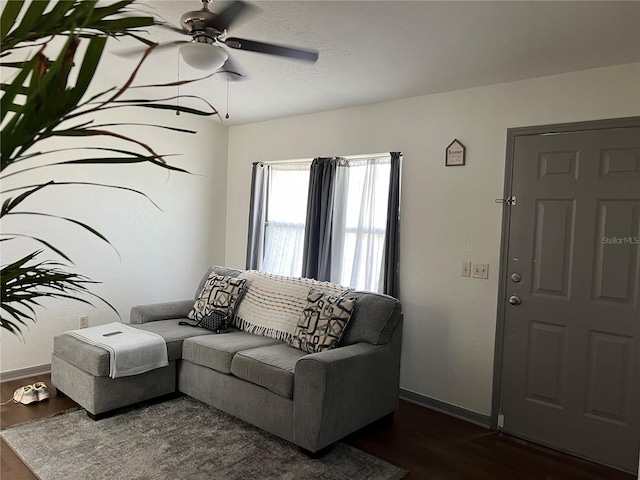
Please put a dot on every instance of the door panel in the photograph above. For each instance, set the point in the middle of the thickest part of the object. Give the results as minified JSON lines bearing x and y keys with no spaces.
{"x":615,"y":278}
{"x":553,"y":233}
{"x":609,"y":377}
{"x":547,"y":352}
{"x":620,"y":161}
{"x":571,"y":347}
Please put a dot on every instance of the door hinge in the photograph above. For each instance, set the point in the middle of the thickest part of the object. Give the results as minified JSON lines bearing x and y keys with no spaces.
{"x":509,"y":201}
{"x":500,"y":421}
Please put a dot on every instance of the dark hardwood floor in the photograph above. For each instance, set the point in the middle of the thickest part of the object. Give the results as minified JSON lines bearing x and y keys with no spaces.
{"x":11,"y":467}
{"x":431,"y":445}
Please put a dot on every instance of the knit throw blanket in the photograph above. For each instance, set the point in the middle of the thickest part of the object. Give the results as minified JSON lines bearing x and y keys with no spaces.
{"x":272,"y":304}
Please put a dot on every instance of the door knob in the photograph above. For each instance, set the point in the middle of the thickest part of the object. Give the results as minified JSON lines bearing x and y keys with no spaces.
{"x":515,"y":300}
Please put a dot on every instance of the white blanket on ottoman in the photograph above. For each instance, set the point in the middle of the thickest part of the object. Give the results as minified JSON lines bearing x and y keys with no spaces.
{"x":132,"y":351}
{"x":272,"y":304}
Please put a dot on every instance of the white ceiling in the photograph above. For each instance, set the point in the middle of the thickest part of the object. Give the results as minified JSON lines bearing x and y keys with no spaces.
{"x":373,"y":51}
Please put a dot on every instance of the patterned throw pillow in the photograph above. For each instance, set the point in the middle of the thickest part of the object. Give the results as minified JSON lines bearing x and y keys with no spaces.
{"x":218,"y":293}
{"x":323,"y":322}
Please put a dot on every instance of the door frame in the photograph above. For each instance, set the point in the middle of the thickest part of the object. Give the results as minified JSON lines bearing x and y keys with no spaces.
{"x":512,"y":135}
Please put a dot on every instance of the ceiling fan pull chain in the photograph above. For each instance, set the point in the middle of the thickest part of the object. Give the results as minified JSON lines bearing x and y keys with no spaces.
{"x":178,"y":97}
{"x":227,"y":115}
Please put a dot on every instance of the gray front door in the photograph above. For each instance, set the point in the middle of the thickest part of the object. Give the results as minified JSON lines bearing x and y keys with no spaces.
{"x":571,"y":310}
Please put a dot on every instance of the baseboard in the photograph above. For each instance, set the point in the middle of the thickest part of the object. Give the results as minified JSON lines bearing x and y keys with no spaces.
{"x":449,"y":409}
{"x":25,"y":372}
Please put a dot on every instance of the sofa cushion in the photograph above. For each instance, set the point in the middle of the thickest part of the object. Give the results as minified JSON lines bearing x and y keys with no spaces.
{"x":217,"y":351}
{"x":218,"y":293}
{"x":271,"y":367}
{"x":173,"y":334}
{"x":95,"y":360}
{"x":373,"y":320}
{"x":322,"y":322}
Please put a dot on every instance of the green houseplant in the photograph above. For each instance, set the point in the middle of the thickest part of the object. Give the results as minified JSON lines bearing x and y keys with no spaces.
{"x":49,"y":96}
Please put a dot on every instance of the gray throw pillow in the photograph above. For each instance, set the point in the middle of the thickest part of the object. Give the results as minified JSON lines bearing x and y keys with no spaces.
{"x":322,"y":322}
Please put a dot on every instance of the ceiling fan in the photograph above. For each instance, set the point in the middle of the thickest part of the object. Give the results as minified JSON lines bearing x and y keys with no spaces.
{"x":208,"y":32}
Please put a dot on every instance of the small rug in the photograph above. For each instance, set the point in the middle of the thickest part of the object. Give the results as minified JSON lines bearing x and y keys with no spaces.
{"x":180,"y":439}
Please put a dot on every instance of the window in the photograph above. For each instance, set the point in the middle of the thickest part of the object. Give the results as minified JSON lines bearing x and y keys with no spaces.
{"x":359,"y":224}
{"x":286,"y":209}
{"x":341,"y":236}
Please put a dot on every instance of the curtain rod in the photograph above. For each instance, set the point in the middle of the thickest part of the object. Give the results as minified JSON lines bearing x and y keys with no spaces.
{"x":304,"y":161}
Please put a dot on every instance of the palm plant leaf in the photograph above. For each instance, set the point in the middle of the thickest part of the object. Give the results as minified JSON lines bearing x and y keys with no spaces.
{"x":93,"y":184}
{"x":40,"y":102}
{"x":67,"y":219}
{"x":39,"y":240}
{"x":83,"y":17}
{"x":11,"y":203}
{"x":24,"y":284}
{"x":134,"y":158}
{"x":9,"y":16}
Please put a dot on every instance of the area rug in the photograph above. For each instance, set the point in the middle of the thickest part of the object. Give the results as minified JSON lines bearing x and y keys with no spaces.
{"x":180,"y":439}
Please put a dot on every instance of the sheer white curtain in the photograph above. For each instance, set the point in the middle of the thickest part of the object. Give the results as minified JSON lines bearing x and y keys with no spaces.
{"x":358,"y":239}
{"x":288,"y":184}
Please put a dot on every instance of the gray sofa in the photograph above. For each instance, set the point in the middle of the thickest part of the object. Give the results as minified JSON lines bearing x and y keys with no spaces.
{"x":311,"y":400}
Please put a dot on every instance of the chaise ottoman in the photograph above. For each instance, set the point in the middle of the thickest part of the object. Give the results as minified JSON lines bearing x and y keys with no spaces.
{"x":81,"y":371}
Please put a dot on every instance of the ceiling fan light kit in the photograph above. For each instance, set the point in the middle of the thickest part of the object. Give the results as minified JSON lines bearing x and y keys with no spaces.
{"x":209,"y":40}
{"x":203,"y":56}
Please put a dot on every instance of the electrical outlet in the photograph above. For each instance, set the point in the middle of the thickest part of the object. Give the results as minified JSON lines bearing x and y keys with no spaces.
{"x":466,"y":269}
{"x":84,"y":321}
{"x":481,"y":270}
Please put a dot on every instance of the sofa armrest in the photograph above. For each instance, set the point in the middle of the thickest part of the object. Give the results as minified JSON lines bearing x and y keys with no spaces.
{"x":160,"y":311}
{"x":342,"y":390}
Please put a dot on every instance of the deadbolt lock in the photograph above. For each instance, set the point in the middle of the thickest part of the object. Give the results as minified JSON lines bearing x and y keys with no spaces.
{"x":516,"y":277}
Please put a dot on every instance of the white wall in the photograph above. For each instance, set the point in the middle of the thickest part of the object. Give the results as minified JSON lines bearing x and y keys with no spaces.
{"x":163,"y":252}
{"x":448,"y":214}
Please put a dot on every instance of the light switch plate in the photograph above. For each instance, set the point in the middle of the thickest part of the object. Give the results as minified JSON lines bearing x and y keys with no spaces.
{"x":480,"y":270}
{"x":466,"y":269}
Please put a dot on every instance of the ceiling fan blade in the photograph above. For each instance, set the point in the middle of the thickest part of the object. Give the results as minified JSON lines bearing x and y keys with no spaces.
{"x":230,"y":14}
{"x":134,"y":52}
{"x":272,"y":49}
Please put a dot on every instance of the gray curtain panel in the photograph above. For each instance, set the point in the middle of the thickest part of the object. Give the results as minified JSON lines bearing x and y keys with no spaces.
{"x":316,"y":257}
{"x":392,"y":234}
{"x":257,"y":215}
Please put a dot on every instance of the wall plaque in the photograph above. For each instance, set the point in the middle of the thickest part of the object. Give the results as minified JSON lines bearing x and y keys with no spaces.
{"x":455,"y":154}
